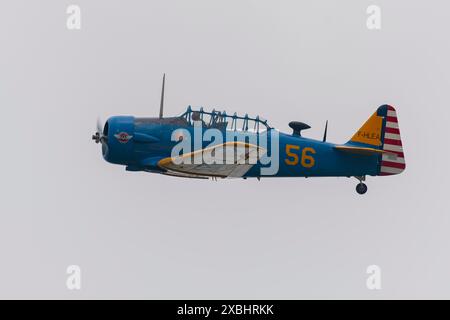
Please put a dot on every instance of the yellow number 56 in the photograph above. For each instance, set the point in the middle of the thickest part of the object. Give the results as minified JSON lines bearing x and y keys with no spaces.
{"x":292,"y":159}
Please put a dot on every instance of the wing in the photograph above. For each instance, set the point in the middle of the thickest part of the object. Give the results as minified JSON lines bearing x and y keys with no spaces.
{"x":227,"y":160}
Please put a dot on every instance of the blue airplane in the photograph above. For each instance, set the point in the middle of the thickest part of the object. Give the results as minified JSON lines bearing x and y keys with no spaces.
{"x":217,"y":145}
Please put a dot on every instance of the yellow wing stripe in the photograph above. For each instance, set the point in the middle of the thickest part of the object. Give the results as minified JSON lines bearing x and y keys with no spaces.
{"x":166,"y":161}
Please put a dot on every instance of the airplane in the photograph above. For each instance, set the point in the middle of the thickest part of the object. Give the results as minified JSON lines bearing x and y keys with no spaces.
{"x":147,"y":144}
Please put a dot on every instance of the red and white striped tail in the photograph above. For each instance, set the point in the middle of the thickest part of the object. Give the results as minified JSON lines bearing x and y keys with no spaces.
{"x":393,"y":161}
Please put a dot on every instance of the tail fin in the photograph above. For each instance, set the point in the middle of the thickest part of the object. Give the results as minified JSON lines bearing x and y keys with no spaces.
{"x":381,"y":131}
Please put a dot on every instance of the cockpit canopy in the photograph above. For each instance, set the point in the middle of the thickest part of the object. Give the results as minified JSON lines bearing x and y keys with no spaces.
{"x":223,"y":121}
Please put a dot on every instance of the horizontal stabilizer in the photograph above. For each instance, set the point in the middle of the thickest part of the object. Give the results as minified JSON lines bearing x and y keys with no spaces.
{"x":360,"y":150}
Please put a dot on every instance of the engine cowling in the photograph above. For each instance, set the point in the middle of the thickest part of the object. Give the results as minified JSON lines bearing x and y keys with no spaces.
{"x":120,"y":133}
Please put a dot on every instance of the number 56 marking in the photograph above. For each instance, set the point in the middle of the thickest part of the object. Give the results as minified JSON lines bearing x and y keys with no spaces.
{"x":292,"y":159}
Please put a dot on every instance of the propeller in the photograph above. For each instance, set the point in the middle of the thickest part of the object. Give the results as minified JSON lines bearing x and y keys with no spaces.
{"x":99,"y":137}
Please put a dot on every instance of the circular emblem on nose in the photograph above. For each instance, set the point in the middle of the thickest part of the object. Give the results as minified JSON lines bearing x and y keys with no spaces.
{"x":123,"y":137}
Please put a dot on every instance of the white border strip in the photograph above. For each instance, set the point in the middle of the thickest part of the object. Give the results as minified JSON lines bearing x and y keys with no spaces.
{"x":390,"y":170}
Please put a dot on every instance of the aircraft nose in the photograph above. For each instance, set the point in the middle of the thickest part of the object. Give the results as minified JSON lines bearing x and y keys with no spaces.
{"x":117,"y":139}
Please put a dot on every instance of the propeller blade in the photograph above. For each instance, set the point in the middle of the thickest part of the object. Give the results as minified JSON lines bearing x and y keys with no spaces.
{"x":99,"y":126}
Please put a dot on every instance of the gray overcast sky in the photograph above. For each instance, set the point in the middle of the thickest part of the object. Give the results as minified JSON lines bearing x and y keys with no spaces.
{"x":138,"y":235}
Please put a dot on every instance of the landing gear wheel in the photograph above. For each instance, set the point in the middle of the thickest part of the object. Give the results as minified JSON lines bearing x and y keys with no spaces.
{"x":361,"y":188}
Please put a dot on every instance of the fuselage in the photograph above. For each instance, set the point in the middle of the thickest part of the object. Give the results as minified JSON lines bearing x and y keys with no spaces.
{"x":139,"y":143}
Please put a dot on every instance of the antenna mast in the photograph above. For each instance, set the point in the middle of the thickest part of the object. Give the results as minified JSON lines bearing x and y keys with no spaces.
{"x":161,"y":107}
